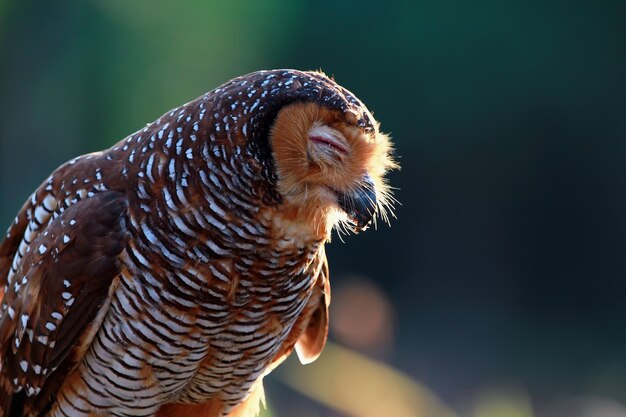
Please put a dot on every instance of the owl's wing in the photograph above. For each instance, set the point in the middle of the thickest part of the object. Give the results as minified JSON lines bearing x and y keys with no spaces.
{"x":312,"y":340}
{"x":57,"y":288}
{"x":9,"y":246}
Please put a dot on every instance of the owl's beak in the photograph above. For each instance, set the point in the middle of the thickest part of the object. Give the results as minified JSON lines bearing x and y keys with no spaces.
{"x":360,"y":204}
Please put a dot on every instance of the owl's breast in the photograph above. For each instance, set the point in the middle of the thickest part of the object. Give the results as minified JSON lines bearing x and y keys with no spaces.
{"x":262,"y":312}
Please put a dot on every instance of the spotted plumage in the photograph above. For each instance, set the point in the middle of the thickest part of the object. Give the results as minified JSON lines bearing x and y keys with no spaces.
{"x":168,"y":274}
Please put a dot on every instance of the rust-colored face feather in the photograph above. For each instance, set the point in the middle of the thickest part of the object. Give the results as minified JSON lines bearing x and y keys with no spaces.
{"x":320,"y":157}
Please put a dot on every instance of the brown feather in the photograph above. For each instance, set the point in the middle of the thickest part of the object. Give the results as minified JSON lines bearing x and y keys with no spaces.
{"x":313,"y":339}
{"x":77,"y":266}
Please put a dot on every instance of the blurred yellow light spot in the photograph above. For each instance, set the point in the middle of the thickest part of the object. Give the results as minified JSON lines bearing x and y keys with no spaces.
{"x":361,"y":387}
{"x":495,"y":403}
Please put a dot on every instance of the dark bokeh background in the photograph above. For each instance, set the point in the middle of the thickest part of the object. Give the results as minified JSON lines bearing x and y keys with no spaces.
{"x":506,"y":265}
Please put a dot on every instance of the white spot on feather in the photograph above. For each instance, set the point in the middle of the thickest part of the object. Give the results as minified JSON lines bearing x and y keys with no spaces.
{"x":50,"y":203}
{"x":41,"y":215}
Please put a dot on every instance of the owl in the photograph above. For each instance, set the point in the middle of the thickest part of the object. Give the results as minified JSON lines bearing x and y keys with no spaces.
{"x":168,"y":274}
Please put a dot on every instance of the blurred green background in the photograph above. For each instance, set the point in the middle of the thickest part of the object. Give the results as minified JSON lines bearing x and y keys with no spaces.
{"x":500,"y":289}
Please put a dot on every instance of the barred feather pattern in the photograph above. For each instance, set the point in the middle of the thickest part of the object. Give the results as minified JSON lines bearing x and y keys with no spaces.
{"x":202,"y":296}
